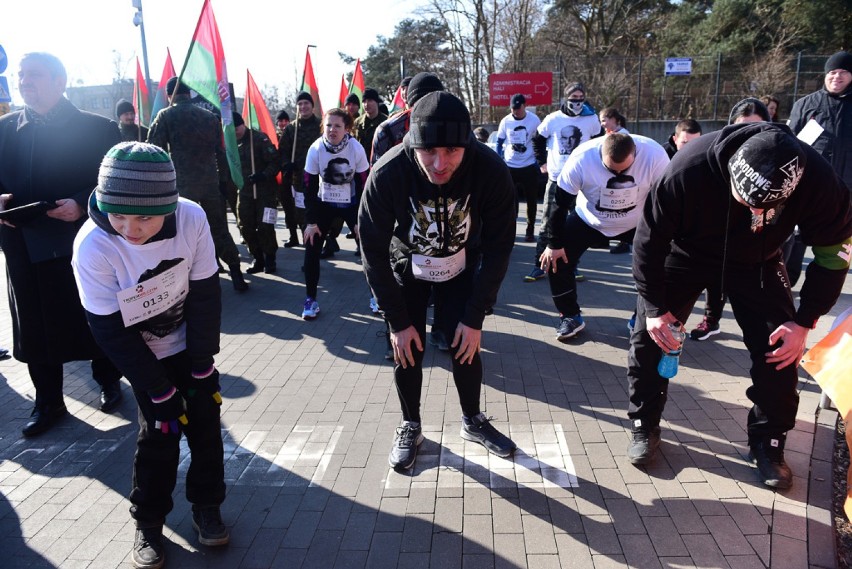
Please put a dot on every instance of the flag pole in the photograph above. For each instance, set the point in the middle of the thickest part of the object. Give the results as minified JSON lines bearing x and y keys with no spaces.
{"x":251,"y":136}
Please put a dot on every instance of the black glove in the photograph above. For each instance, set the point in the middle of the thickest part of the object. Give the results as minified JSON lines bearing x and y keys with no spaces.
{"x":257,"y":177}
{"x":207,"y":382}
{"x":169,"y":410}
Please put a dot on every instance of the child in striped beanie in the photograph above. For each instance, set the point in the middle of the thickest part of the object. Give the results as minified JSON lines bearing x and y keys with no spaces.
{"x":146,"y":272}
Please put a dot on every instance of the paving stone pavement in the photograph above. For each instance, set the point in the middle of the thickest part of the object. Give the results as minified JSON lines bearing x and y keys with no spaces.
{"x":309,"y":415}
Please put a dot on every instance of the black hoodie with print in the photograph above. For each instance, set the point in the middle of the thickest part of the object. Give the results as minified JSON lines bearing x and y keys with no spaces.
{"x":691,"y":222}
{"x":397,"y":218}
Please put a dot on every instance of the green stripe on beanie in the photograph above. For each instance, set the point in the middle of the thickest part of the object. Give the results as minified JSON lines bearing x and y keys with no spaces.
{"x":136,"y":178}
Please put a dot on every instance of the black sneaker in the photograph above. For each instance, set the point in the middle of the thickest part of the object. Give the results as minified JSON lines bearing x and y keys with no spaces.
{"x":768,"y":453}
{"x":148,"y":552}
{"x":478,"y":429}
{"x":644,"y":443}
{"x":708,"y":327}
{"x":207,"y":521}
{"x":569,"y":327}
{"x":408,"y":437}
{"x":620,"y":248}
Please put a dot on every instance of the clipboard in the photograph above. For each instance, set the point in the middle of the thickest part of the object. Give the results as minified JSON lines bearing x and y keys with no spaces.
{"x":26,"y":213}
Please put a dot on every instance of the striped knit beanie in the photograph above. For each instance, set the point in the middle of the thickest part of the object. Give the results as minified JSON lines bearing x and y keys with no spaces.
{"x":136,"y":178}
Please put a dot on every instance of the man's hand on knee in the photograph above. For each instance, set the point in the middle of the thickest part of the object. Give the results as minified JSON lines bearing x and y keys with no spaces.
{"x":468,"y":341}
{"x":401,"y":343}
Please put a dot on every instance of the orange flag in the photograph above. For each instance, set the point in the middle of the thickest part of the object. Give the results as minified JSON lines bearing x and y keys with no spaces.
{"x":141,"y":98}
{"x":161,"y":99}
{"x":309,"y":83}
{"x":344,"y":92}
{"x":255,"y":112}
{"x":357,"y":84}
{"x":830,"y":364}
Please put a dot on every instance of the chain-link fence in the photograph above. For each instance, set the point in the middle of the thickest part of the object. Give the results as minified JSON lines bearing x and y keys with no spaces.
{"x":639,"y":88}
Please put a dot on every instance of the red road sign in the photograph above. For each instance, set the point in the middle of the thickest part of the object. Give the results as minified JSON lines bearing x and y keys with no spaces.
{"x":536,"y":87}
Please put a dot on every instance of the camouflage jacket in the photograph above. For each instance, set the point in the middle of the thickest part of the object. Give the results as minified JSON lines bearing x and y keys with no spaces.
{"x":193,"y":137}
{"x":265,"y":160}
{"x":365,"y":128}
{"x":131,"y":132}
{"x":309,"y":131}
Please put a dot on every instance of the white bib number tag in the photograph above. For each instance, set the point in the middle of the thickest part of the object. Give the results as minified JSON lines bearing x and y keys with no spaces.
{"x":298,"y":197}
{"x":438,"y":269}
{"x":270,"y":215}
{"x":518,"y":136}
{"x":617,"y":199}
{"x":335,"y":193}
{"x":154,"y":296}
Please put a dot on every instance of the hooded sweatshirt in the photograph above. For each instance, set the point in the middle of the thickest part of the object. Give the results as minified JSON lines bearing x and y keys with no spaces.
{"x":691,"y":222}
{"x":397,"y":218}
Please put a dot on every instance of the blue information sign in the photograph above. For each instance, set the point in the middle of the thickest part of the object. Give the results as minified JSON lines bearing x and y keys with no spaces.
{"x":678,"y":66}
{"x":4,"y":61}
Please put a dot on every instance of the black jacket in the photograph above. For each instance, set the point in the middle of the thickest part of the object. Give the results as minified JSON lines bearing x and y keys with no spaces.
{"x":398,"y":195}
{"x":685,"y":218}
{"x":52,"y":161}
{"x":834,"y":115}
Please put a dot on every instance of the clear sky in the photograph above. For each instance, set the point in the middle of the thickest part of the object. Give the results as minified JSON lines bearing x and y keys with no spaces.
{"x":269,"y":37}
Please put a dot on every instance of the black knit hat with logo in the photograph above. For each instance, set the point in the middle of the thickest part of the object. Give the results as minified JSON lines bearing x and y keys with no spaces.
{"x":439,"y":120}
{"x":767,"y":168}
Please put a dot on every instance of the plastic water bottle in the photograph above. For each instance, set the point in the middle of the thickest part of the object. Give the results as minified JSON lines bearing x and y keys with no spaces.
{"x":669,"y":361}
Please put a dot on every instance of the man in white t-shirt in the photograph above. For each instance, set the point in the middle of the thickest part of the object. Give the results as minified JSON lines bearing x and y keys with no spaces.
{"x":558,"y":135}
{"x":519,"y":127}
{"x":610,"y":177}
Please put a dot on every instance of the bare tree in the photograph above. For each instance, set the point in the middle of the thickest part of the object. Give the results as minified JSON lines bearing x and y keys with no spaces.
{"x":518,"y":22}
{"x":472,"y":36}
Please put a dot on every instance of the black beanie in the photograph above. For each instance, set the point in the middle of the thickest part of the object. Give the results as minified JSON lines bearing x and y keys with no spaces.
{"x":282,"y":116}
{"x":840,"y":60}
{"x":181,"y":90}
{"x":405,"y":81}
{"x":123,"y":107}
{"x":372,"y":95}
{"x":439,"y":120}
{"x":305,"y":96}
{"x":238,"y":119}
{"x":767,"y":168}
{"x":422,"y":84}
{"x":352,"y":98}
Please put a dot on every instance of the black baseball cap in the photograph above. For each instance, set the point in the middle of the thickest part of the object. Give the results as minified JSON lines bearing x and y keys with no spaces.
{"x":518,"y":100}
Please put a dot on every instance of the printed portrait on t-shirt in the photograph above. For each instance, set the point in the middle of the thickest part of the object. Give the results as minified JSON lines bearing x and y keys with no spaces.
{"x":623,"y":200}
{"x":163,"y":324}
{"x":569,"y":139}
{"x":338,"y":171}
{"x":518,"y":138}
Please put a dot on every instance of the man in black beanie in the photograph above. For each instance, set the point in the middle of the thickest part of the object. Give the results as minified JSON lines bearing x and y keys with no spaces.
{"x":721,"y":210}
{"x":282,"y":119}
{"x":366,"y":124}
{"x":126,"y":115}
{"x":438,"y":215}
{"x":824,"y":119}
{"x":353,"y":106}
